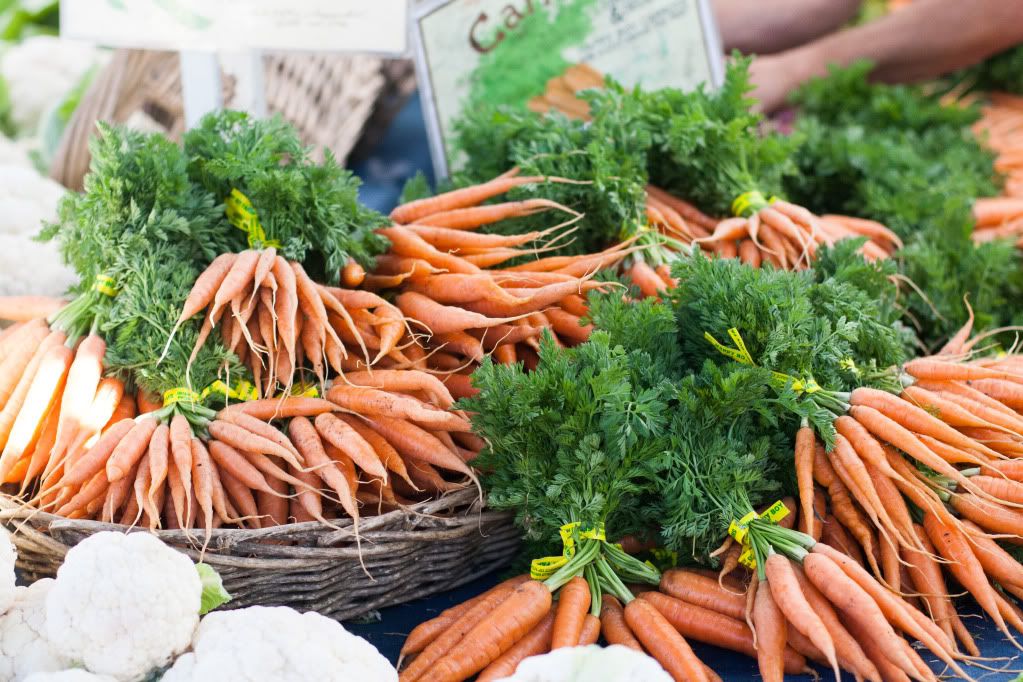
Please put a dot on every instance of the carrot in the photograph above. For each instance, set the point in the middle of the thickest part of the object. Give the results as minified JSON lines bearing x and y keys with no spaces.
{"x":267,"y":409}
{"x":389,"y":457}
{"x":241,"y":497}
{"x":927,"y":579}
{"x":440,"y":319}
{"x":202,"y":477}
{"x":703,"y":625}
{"x":290,"y":298}
{"x":702,"y":591}
{"x":994,"y":517}
{"x":95,"y":458}
{"x":342,"y":436}
{"x":427,"y":631}
{"x":664,"y":642}
{"x":854,"y":474}
{"x":414,"y":211}
{"x":953,"y":389}
{"x":953,"y":546}
{"x":729,"y":562}
{"x":849,"y":516}
{"x":308,"y":441}
{"x":181,"y":454}
{"x":489,"y":629}
{"x":1007,"y":392}
{"x":42,"y":393}
{"x":15,"y":336}
{"x":95,"y":488}
{"x":26,"y":308}
{"x":82,"y":380}
{"x":273,"y":508}
{"x":857,"y":605}
{"x":14,"y":365}
{"x":42,"y":450}
{"x":787,"y":594}
{"x":913,"y":418}
{"x":943,"y":370}
{"x":241,"y":438}
{"x":952,"y":412}
{"x":875,"y":654}
{"x":206,"y":286}
{"x":996,"y":562}
{"x":613,"y":626}
{"x":771,"y":632}
{"x":407,"y":243}
{"x":834,"y":534}
{"x":536,"y":642}
{"x":372,"y":402}
{"x":405,"y":381}
{"x":865,"y":445}
{"x":241,"y":272}
{"x":902,"y":438}
{"x":412,"y":441}
{"x":896,"y":611}
{"x":591,"y":630}
{"x":573,"y":604}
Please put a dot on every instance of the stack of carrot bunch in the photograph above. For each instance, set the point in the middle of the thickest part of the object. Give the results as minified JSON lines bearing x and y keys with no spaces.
{"x":1001,"y":129}
{"x":81,"y":446}
{"x":286,"y":319}
{"x":462,"y":298}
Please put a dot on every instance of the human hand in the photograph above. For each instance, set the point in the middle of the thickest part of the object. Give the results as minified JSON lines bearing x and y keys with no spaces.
{"x":774,"y":77}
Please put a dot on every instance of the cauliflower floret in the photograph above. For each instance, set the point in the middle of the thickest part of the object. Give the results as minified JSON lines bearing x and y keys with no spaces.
{"x":72,"y":675}
{"x":123,"y":604}
{"x":278,"y":644}
{"x":24,"y":648}
{"x":8,"y":555}
{"x":583,"y":663}
{"x":40,"y":72}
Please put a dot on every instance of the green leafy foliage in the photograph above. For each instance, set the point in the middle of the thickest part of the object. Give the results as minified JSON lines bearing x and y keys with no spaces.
{"x":1003,"y":71}
{"x":311,"y":209}
{"x":900,"y":156}
{"x":579,"y":439}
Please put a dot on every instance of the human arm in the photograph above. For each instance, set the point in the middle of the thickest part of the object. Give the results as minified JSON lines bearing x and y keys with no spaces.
{"x":773,"y":25}
{"x":923,"y":40}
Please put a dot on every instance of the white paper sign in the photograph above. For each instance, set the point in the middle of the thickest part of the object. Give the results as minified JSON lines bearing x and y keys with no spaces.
{"x":513,"y":52}
{"x":365,"y":26}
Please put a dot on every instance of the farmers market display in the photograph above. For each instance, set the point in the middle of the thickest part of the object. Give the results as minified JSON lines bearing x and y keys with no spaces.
{"x":738,"y":387}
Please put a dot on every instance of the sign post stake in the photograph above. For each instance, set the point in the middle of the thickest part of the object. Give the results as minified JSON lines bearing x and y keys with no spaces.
{"x":201,"y":86}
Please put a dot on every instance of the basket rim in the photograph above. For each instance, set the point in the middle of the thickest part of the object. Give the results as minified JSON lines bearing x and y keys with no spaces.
{"x":24,"y":519}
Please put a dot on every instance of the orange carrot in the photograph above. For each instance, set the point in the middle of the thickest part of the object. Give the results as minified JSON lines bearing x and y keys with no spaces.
{"x":202,"y":477}
{"x":458,"y":199}
{"x":536,"y":642}
{"x":927,"y":579}
{"x":994,"y":517}
{"x":703,"y":625}
{"x":613,"y":626}
{"x":308,"y":441}
{"x":482,"y":634}
{"x":664,"y":642}
{"x":771,"y":632}
{"x":130,"y":449}
{"x":206,"y":286}
{"x":573,"y":604}
{"x":181,"y":455}
{"x":789,"y":597}
{"x":702,"y":591}
{"x":267,"y":409}
{"x":413,"y":441}
{"x":440,"y":319}
{"x":243,"y":439}
{"x":345,"y":438}
{"x":241,"y":497}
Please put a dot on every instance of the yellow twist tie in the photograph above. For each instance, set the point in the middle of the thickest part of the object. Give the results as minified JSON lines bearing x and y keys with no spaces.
{"x":243,"y":390}
{"x":739,"y":529}
{"x":545,"y":567}
{"x":242,"y":214}
{"x":180,"y":395}
{"x":105,"y":285}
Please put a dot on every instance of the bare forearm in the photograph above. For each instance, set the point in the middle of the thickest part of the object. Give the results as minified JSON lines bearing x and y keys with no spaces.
{"x":926,"y":39}
{"x":768,"y":26}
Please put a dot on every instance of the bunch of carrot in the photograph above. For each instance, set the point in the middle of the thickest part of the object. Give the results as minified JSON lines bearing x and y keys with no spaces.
{"x":458,"y":291}
{"x":278,"y":318}
{"x":1001,"y":129}
{"x":81,"y":446}
{"x":491,"y":634}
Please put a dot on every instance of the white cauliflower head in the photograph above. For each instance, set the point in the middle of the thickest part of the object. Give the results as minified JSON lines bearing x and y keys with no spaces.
{"x":24,"y":647}
{"x":615,"y":663}
{"x":278,"y":644}
{"x":8,"y":555}
{"x":71,"y":675}
{"x":123,"y":605}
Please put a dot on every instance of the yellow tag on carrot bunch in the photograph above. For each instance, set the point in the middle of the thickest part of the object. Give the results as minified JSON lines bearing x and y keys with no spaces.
{"x":243,"y":390}
{"x":242,"y":214}
{"x":545,"y":567}
{"x":739,"y":529}
{"x":180,"y":395}
{"x":742,"y":355}
{"x":105,"y":285}
{"x":748,"y":203}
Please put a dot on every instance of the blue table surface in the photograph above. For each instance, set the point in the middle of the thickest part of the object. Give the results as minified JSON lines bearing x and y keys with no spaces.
{"x":384,"y":170}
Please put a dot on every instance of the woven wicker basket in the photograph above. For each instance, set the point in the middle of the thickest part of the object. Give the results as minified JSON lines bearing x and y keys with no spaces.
{"x":406,"y":554}
{"x":331,"y":99}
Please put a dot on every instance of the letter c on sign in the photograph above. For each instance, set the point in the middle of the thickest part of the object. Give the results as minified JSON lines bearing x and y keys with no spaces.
{"x":476,"y":44}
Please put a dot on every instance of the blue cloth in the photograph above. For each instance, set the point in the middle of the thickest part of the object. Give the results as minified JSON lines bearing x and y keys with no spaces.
{"x":402,"y":153}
